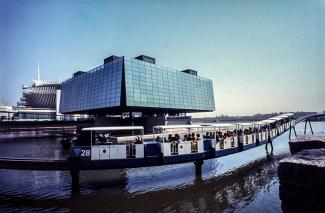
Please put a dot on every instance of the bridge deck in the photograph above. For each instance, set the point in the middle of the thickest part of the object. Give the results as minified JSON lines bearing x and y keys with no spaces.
{"x":65,"y":165}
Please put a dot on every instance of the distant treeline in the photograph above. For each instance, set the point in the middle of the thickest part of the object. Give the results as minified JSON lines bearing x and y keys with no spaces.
{"x":248,"y":118}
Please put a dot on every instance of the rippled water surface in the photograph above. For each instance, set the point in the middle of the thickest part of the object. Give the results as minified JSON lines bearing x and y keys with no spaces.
{"x":243,"y":182}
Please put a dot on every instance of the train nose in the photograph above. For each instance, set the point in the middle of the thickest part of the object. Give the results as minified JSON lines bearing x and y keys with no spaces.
{"x":74,"y":152}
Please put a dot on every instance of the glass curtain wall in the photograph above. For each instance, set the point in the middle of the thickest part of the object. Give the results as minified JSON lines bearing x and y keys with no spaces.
{"x":150,"y":85}
{"x":96,"y":89}
{"x":146,"y":85}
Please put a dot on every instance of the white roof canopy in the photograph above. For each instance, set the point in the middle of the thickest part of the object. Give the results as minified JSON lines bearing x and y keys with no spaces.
{"x":218,"y":125}
{"x":113,"y":128}
{"x":268,"y":121}
{"x":285,"y":115}
{"x":260,"y":122}
{"x":177,"y":126}
{"x":244,"y":124}
{"x":282,"y":116}
{"x":276,"y":118}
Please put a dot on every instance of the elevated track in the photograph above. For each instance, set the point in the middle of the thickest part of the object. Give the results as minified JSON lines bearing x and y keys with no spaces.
{"x":66,"y":165}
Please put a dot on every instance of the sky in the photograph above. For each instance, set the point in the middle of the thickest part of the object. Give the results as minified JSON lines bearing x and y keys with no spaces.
{"x":262,"y":56}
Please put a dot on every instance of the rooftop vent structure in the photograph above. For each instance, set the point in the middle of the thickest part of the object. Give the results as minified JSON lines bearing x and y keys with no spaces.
{"x":191,"y":72}
{"x":78,"y":73}
{"x":111,"y":58}
{"x":146,"y":59}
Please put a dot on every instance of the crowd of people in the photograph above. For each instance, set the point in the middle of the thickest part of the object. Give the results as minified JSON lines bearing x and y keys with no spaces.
{"x":102,"y":139}
{"x":211,"y":135}
{"x":108,"y":139}
{"x":174,"y":140}
{"x":219,"y":136}
{"x":177,"y":138}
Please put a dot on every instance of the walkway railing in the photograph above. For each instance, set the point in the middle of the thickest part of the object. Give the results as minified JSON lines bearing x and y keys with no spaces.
{"x":305,"y":119}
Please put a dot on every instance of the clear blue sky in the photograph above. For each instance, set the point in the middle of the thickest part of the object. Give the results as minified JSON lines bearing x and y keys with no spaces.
{"x":263,"y":56}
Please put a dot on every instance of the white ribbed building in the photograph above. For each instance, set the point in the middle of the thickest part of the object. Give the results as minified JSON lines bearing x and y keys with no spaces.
{"x":42,"y":94}
{"x":39,"y":101}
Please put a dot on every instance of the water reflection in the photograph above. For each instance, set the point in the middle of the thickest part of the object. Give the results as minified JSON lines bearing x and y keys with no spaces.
{"x":32,"y":147}
{"x":230,"y":191}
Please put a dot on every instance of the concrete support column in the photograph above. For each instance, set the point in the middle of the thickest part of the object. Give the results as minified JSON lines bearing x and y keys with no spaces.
{"x":74,"y":173}
{"x":198,"y":167}
{"x":257,"y":138}
{"x":269,"y":141}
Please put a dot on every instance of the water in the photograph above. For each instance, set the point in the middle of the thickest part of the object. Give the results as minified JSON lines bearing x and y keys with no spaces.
{"x":243,"y":182}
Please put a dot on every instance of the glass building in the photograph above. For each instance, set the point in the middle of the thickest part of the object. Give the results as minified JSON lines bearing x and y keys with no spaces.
{"x":124,"y":84}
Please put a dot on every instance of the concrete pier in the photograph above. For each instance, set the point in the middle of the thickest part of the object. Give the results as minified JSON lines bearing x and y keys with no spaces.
{"x":198,"y":167}
{"x":306,"y":142}
{"x":74,"y":173}
{"x":269,"y":141}
{"x":302,"y":181}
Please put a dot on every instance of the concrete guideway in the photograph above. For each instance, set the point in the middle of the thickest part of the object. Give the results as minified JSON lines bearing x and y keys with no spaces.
{"x":198,"y":159}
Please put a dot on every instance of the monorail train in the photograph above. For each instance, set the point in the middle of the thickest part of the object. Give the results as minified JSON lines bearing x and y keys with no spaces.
{"x":124,"y":147}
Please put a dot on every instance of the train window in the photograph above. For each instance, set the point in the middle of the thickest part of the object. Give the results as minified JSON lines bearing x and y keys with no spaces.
{"x":101,"y":137}
{"x":85,"y":138}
